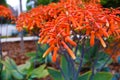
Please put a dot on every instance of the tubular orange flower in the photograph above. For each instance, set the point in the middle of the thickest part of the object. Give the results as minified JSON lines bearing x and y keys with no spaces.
{"x":40,"y":39}
{"x":112,"y":25}
{"x":69,"y":50}
{"x":48,"y":51}
{"x":101,"y":40}
{"x":92,"y":38}
{"x":55,"y":54}
{"x":67,"y":39}
{"x":45,"y":40}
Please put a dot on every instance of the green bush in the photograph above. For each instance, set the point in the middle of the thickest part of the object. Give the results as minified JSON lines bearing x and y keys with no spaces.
{"x":110,"y":3}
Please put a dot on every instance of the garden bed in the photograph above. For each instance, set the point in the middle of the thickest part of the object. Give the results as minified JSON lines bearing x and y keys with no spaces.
{"x":13,"y":49}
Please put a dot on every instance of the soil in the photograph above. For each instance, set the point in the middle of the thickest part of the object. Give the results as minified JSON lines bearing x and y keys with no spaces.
{"x":13,"y":50}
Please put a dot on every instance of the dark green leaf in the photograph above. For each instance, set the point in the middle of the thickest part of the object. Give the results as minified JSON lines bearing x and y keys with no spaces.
{"x":55,"y":74}
{"x":84,"y":76}
{"x":64,"y":66}
{"x":6,"y":75}
{"x":17,"y":75}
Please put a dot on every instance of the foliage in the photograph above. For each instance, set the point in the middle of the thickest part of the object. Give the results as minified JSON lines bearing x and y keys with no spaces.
{"x":40,"y":2}
{"x":45,"y":2}
{"x":22,"y":72}
{"x":36,"y":57}
{"x":86,"y":76}
{"x":110,"y":3}
{"x":3,"y":2}
{"x":97,"y":76}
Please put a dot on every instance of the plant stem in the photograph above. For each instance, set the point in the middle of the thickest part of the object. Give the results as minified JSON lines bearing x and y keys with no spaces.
{"x":93,"y":67}
{"x":95,"y":60}
{"x":108,"y":59}
{"x":81,"y":62}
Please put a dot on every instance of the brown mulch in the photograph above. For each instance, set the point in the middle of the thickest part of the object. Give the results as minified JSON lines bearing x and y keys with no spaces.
{"x":13,"y":50}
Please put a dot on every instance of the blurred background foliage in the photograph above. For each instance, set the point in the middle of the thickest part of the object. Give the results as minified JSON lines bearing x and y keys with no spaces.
{"x":110,"y":3}
{"x":38,"y":2}
{"x":105,"y":3}
{"x":3,"y":2}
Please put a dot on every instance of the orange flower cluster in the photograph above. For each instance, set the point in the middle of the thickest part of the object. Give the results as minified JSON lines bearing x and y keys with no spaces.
{"x":57,"y":21}
{"x":5,"y":12}
{"x":32,"y":19}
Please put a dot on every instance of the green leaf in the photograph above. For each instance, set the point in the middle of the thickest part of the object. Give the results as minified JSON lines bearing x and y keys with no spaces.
{"x":27,"y":65}
{"x":9,"y":64}
{"x":30,"y":54}
{"x":17,"y":75}
{"x":102,"y":59}
{"x":25,"y":68}
{"x":11,"y":70}
{"x":64,"y":66}
{"x":48,"y":58}
{"x":39,"y":72}
{"x":84,"y":76}
{"x":1,"y":66}
{"x":55,"y":74}
{"x":97,"y":76}
{"x":6,"y":75}
{"x":103,"y":76}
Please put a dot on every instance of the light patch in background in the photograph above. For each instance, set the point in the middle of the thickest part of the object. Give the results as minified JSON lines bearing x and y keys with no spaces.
{"x":16,"y":3}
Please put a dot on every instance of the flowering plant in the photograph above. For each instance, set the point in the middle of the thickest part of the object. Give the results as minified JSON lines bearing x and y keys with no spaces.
{"x":69,"y":23}
{"x":57,"y":22}
{"x":6,"y":12}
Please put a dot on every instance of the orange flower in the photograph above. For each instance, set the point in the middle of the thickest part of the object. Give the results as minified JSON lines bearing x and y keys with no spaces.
{"x":55,"y":54}
{"x":69,"y":50}
{"x":67,"y":39}
{"x":6,"y":13}
{"x":92,"y":38}
{"x":48,"y":51}
{"x":45,"y":40}
{"x":101,"y":40}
